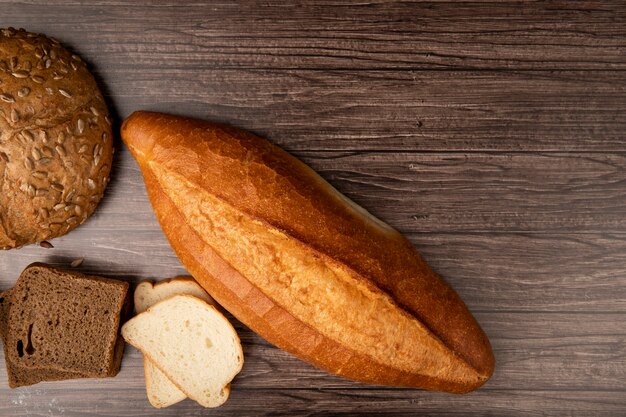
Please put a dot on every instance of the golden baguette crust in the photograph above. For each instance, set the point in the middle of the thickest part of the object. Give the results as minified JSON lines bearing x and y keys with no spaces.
{"x":265,"y":185}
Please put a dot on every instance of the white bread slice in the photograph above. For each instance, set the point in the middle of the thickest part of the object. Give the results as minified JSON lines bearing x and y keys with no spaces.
{"x":160,"y":390}
{"x":192,"y":343}
{"x":149,"y":293}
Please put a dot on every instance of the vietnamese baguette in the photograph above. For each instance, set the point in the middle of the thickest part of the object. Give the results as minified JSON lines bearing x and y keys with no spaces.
{"x":301,"y":264}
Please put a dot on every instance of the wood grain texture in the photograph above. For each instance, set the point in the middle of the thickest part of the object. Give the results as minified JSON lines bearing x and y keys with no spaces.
{"x":384,"y":110}
{"x":493,"y":134}
{"x":339,"y":34}
{"x":464,"y":192}
{"x":254,"y":65}
{"x":317,"y":402}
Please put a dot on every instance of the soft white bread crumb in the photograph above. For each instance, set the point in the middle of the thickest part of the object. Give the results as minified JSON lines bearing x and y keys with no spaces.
{"x":160,"y":390}
{"x":192,"y":343}
{"x":149,"y":293}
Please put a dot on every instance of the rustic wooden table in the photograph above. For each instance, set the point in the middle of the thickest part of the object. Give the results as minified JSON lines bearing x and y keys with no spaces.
{"x":492,"y":134}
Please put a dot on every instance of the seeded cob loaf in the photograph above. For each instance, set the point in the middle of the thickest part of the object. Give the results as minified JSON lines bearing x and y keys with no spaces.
{"x":55,"y":139}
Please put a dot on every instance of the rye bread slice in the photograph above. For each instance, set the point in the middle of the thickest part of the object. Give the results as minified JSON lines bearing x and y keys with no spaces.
{"x":66,"y":321}
{"x":19,"y":376}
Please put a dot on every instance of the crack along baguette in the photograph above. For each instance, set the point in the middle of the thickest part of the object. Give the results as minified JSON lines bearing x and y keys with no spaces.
{"x":299,"y":263}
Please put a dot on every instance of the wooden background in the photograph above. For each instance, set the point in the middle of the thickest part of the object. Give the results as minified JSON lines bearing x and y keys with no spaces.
{"x":493,"y":134}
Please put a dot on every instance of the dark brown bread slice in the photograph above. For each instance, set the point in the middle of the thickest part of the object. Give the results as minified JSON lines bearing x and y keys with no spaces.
{"x":19,"y":376}
{"x":66,"y":321}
